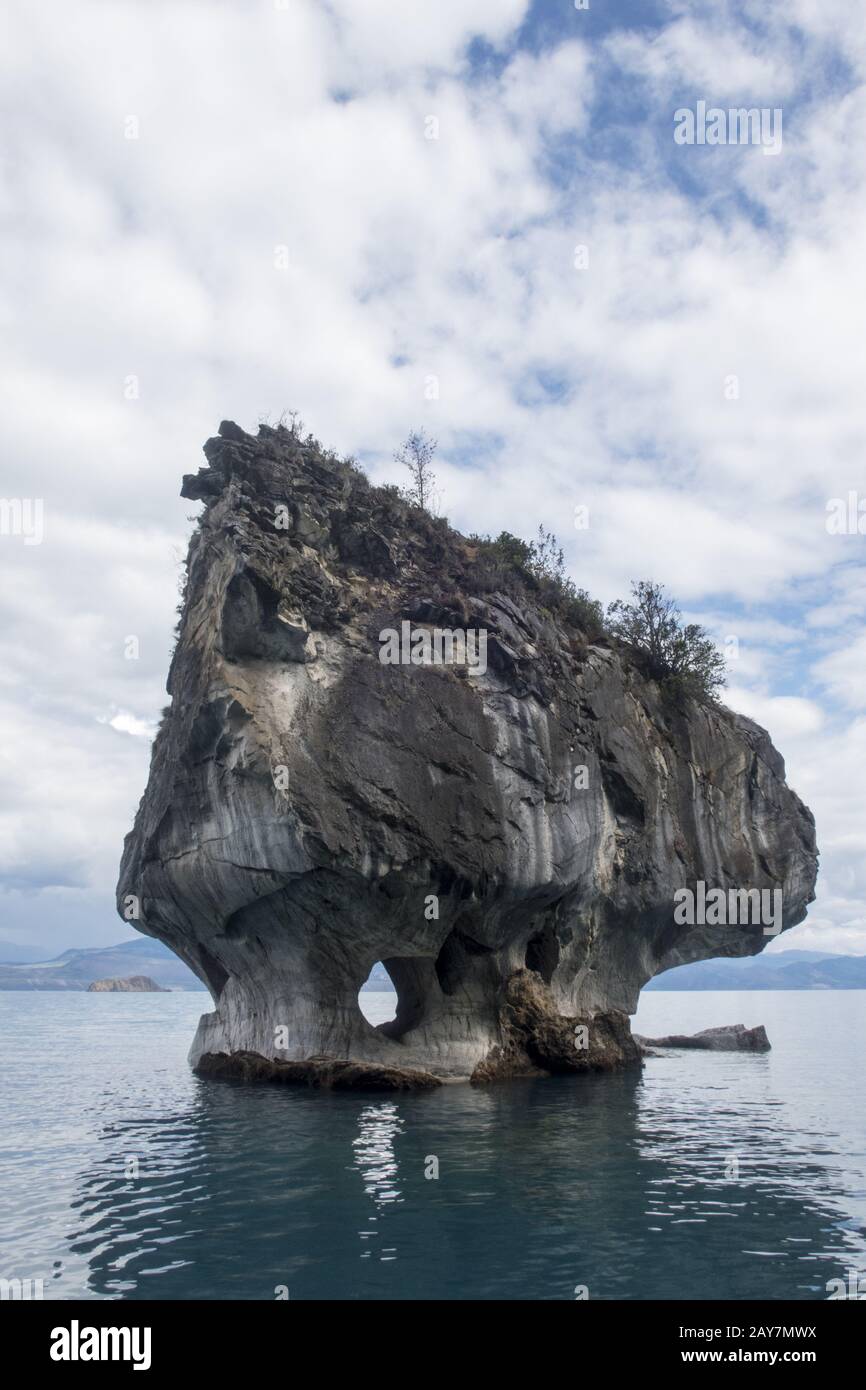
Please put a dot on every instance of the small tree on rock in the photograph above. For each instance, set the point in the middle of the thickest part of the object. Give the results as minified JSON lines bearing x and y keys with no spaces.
{"x":685,"y":656}
{"x":416,"y":454}
{"x":547,"y":557}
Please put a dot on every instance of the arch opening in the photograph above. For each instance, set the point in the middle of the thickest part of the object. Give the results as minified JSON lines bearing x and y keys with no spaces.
{"x":377,"y":997}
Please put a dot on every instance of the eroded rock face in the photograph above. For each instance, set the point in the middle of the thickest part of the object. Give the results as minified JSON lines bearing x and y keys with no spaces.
{"x":311,"y":810}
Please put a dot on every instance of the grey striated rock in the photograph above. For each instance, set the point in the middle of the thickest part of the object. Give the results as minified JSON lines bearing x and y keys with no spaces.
{"x":732,"y":1037}
{"x":311,"y":811}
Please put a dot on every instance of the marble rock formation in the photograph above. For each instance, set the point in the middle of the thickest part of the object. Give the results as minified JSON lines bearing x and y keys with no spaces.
{"x":505,"y":834}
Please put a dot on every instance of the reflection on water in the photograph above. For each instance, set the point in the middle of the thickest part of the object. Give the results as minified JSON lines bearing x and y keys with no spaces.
{"x":376,"y":1158}
{"x":711,"y":1175}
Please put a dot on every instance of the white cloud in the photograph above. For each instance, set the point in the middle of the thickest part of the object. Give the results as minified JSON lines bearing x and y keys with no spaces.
{"x":844,"y":672}
{"x":708,"y":52}
{"x":373,"y":41}
{"x":126,"y":723}
{"x":784,"y":716}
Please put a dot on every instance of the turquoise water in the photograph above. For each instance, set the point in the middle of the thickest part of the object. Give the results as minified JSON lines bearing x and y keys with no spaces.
{"x":124,"y":1176}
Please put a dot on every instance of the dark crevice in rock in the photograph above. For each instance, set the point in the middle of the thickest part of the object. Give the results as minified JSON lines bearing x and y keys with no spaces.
{"x":411,"y":977}
{"x":542,"y":953}
{"x":212,"y":972}
{"x":256,"y":625}
{"x":455,"y":958}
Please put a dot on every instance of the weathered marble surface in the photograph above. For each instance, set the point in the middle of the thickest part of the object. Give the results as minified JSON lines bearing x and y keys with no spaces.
{"x":402,"y":782}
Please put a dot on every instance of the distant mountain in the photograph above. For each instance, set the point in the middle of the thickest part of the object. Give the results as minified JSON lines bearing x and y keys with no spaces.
{"x":379,"y":980}
{"x":132,"y":984}
{"x":78,"y":967}
{"x":787,"y":970}
{"x":11,"y":951}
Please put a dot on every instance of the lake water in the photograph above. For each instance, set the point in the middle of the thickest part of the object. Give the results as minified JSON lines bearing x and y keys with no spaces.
{"x":711,"y":1175}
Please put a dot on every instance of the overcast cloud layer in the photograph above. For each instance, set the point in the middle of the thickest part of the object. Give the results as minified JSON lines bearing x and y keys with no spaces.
{"x":470,"y":216}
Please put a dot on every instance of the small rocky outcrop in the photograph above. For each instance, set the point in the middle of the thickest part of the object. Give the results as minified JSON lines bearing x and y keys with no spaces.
{"x":132,"y":984}
{"x":733,"y":1037}
{"x":507,"y":836}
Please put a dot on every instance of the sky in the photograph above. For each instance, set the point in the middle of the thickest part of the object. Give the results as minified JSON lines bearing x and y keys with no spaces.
{"x":471,"y":217}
